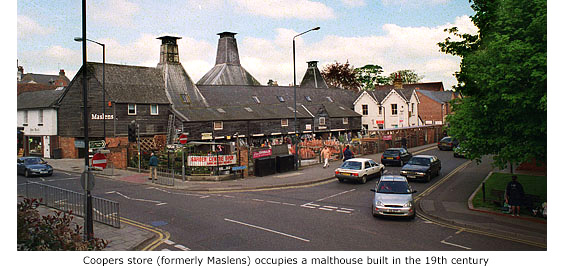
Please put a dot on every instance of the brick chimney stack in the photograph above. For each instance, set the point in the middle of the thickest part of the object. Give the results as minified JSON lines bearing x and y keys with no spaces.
{"x":398,"y":83}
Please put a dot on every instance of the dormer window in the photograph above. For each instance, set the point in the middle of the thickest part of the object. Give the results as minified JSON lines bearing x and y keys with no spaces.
{"x":185,"y":98}
{"x":248,"y":109}
{"x":280,"y":98}
{"x":308,"y":98}
{"x":256,"y":99}
{"x":330,"y":99}
{"x":220,"y":110}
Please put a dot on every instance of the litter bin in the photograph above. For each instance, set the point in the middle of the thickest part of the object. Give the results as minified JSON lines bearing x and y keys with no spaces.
{"x":265,"y":166}
{"x":284,"y":163}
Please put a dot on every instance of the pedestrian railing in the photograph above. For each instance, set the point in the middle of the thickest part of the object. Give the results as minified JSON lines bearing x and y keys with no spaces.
{"x":104,"y":211}
{"x":164,"y":177}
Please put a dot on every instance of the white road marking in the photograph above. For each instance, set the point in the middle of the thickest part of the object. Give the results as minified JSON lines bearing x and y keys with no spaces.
{"x":455,"y":245}
{"x":168,"y":242}
{"x":326,"y":209}
{"x":181,"y":247}
{"x":327,"y":206}
{"x":258,"y":200}
{"x":165,"y":249}
{"x":290,"y":204}
{"x":273,"y":202}
{"x":266,"y":229}
{"x":135,"y":199}
{"x":347,"y":209}
{"x":341,"y":211}
{"x":340,"y":193}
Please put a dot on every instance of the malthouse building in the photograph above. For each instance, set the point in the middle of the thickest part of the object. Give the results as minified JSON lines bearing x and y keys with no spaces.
{"x":226,"y":102}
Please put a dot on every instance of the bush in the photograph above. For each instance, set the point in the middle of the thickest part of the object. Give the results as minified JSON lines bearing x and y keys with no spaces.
{"x":51,"y":232}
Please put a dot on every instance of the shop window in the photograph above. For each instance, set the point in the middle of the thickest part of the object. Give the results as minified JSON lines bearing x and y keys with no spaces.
{"x":322,"y":121}
{"x":218,"y":125}
{"x":154,"y":109}
{"x":131,"y":109}
{"x":284,"y":122}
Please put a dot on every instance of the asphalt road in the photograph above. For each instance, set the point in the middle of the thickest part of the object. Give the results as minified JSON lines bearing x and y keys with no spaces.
{"x":331,"y":216}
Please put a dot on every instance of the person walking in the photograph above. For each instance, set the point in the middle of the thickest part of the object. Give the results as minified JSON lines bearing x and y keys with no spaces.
{"x":153,"y":163}
{"x":326,"y":154}
{"x":514,"y":195}
{"x":347,"y":154}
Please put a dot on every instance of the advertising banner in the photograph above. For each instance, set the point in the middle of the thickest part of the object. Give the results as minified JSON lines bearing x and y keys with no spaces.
{"x":202,"y":161}
{"x":262,"y":153}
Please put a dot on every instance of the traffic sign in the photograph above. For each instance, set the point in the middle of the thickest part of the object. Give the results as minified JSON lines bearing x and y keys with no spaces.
{"x":183,"y":139}
{"x":99,"y":160}
{"x":96,"y":144}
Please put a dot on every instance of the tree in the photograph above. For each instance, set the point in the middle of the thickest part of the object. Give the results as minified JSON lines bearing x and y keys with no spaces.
{"x":503,"y":77}
{"x":370,"y":76}
{"x":407,"y":76}
{"x":340,"y":76}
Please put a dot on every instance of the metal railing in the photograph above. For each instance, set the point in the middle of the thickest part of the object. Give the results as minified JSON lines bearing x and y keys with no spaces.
{"x":104,"y":211}
{"x":164,"y":177}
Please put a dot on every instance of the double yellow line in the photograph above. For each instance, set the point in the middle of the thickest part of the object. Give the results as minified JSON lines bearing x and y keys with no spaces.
{"x":465,"y":229}
{"x":162,"y":235}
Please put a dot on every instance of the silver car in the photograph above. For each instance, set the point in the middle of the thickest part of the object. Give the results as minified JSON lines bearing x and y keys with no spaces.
{"x":359,"y":169}
{"x":393,"y":197}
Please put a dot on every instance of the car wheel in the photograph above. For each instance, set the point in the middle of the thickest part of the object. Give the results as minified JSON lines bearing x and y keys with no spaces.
{"x":412,"y":217}
{"x":26,"y":173}
{"x":428,"y":179}
{"x":363,"y":179}
{"x":341,"y":180}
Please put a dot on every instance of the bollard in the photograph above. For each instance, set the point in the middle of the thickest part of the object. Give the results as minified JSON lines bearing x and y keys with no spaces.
{"x":484,"y":192}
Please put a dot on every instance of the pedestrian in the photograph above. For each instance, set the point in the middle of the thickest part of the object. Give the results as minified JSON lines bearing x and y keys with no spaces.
{"x":404,"y":143}
{"x":326,"y":154}
{"x":153,"y":163}
{"x":514,"y":195}
{"x":347,"y":154}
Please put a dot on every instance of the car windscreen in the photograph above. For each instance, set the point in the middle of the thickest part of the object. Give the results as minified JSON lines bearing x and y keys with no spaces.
{"x":391,"y":153}
{"x":31,"y":161}
{"x":352,"y":165}
{"x":419,"y":161}
{"x":393,"y":187}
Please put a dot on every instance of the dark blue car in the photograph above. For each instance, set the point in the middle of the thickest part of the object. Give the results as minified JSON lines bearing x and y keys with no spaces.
{"x":29,"y":166}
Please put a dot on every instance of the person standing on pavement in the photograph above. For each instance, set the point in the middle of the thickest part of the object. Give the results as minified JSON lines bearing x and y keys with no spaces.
{"x":153,"y":163}
{"x":326,"y":154}
{"x":404,"y":143}
{"x":514,"y":195}
{"x":347,"y":154}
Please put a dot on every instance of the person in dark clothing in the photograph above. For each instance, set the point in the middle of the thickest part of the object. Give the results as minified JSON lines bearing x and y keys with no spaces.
{"x":404,"y":143}
{"x":514,"y":195}
{"x":347,"y":154}
{"x":153,"y":163}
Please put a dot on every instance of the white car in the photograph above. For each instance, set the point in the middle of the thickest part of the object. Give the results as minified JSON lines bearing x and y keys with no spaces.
{"x":359,"y":169}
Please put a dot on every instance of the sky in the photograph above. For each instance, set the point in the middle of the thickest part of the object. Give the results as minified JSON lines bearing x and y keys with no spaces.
{"x":395,"y":34}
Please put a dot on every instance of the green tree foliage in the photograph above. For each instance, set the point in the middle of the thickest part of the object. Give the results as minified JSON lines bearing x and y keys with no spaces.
{"x":407,"y":76}
{"x":340,"y":76}
{"x":50,"y":232}
{"x":503,"y":77}
{"x":370,"y":76}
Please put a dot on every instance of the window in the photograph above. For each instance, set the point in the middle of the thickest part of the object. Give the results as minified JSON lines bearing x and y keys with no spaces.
{"x":308,"y":98}
{"x":330,"y":99}
{"x":322,"y":121}
{"x":380,"y":108}
{"x":364,"y":109}
{"x":40,"y":117}
{"x":394,"y":109}
{"x":284,"y":122}
{"x":256,"y":99}
{"x":345,"y":121}
{"x":185,"y":98}
{"x":217,"y":125}
{"x":413,"y":107}
{"x":154,"y":109}
{"x":25,"y":118}
{"x":220,"y":110}
{"x":131,"y":109}
{"x":280,"y":98}
{"x":248,"y":109}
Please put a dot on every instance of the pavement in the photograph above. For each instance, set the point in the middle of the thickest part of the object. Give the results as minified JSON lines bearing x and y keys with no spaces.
{"x":456,"y":212}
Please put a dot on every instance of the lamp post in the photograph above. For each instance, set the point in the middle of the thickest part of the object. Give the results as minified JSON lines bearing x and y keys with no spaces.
{"x":295,"y":106}
{"x":103,"y":80}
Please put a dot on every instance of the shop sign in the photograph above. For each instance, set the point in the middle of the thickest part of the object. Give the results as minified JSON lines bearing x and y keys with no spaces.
{"x":96,"y":116}
{"x":262,"y":153}
{"x":207,"y":136}
{"x":379,"y":122}
{"x":79,"y":143}
{"x":199,"y":161}
{"x":387,"y":137}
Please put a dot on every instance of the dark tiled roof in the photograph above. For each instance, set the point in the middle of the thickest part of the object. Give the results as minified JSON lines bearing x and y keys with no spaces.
{"x":249,"y":112}
{"x":131,"y":84}
{"x":28,"y":87}
{"x":440,"y":97}
{"x":380,"y":95}
{"x":38,"y":99}
{"x":181,"y":90}
{"x":431,"y":86}
{"x":312,"y":77}
{"x":228,"y":74}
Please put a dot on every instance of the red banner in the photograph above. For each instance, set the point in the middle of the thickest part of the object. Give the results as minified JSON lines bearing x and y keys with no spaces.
{"x":387,"y":137}
{"x":262,"y":153}
{"x":201,"y":161}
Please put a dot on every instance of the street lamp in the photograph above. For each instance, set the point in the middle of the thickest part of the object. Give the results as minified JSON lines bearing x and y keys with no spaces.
{"x":103,"y":80}
{"x":295,"y":106}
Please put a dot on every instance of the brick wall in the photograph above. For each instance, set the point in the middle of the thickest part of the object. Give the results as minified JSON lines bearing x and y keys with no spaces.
{"x":67,"y":147}
{"x":429,"y":110}
{"x":118,"y":151}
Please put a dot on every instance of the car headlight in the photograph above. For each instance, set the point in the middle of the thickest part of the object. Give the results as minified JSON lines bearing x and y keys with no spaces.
{"x":408,"y":204}
{"x":379,"y":204}
{"x":420,"y":173}
{"x":403,"y":172}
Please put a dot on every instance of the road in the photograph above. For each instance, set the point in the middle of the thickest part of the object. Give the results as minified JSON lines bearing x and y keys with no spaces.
{"x":329,"y":216}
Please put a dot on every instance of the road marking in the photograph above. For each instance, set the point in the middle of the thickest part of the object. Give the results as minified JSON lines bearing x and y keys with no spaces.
{"x":342,"y":211}
{"x":168,"y":242}
{"x":290,"y":204}
{"x":135,"y":199}
{"x":266,"y":229}
{"x":165,"y":249}
{"x":42,"y":179}
{"x":258,"y":200}
{"x":341,"y":193}
{"x":325,"y":209}
{"x":273,"y":202}
{"x":455,"y":245}
{"x":178,"y":193}
{"x":181,"y":247}
{"x":333,"y":207}
{"x":162,"y":235}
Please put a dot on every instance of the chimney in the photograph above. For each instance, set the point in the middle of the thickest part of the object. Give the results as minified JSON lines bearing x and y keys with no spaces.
{"x":398,"y":83}
{"x":61,"y":73}
{"x":313,"y":77}
{"x":169,"y":50}
{"x":227,"y":52}
{"x":20,"y":73}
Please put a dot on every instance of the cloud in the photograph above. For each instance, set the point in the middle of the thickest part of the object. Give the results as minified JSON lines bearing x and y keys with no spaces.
{"x":28,"y":28}
{"x":116,"y":12}
{"x":414,"y":2}
{"x":354,"y":3}
{"x":278,"y":9}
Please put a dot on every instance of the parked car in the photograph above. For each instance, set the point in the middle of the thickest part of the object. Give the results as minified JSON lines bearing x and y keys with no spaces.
{"x":395,"y":156}
{"x":459,"y":152}
{"x":29,"y":166}
{"x":359,"y":169}
{"x":422,"y":167}
{"x":393,"y":197}
{"x":447,"y":143}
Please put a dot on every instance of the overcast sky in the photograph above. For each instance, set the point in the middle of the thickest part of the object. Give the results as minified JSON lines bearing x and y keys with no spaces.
{"x":395,"y":34}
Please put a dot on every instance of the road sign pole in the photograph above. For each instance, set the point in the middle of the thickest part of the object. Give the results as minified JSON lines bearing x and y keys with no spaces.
{"x":138,"y":150}
{"x":183,"y":166}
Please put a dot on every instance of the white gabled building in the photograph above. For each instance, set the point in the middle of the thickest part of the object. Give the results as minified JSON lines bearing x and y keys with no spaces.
{"x":385,"y":109}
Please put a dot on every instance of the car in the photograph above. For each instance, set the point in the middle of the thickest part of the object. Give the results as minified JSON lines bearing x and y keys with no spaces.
{"x":393,"y":197}
{"x":359,"y":169}
{"x":395,"y":156}
{"x":422,"y":167}
{"x":459,"y":152}
{"x":447,"y":143}
{"x":29,"y":166}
